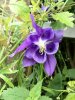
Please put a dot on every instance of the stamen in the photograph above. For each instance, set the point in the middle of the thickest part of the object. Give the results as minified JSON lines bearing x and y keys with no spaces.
{"x":41,"y":51}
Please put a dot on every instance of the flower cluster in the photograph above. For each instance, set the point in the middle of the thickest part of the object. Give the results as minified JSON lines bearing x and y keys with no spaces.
{"x":41,"y":46}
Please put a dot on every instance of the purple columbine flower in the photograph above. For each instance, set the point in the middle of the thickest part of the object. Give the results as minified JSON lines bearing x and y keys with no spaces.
{"x":41,"y":47}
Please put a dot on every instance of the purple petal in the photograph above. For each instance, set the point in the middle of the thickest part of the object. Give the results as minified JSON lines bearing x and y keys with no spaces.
{"x":39,"y":30}
{"x":49,"y":65}
{"x":39,"y":57}
{"x":34,"y":37}
{"x":58,"y":35}
{"x":48,"y":34}
{"x":28,"y":62}
{"x":30,"y":51}
{"x":20,"y":48}
{"x":52,"y":48}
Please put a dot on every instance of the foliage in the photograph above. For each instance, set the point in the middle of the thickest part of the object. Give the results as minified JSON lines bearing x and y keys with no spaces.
{"x":20,"y":93}
{"x":44,"y":98}
{"x":16,"y":93}
{"x":70,"y":96}
{"x":64,"y":17}
{"x":35,"y":92}
{"x":18,"y":83}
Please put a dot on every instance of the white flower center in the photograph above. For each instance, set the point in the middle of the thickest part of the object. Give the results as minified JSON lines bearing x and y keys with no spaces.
{"x":41,"y":44}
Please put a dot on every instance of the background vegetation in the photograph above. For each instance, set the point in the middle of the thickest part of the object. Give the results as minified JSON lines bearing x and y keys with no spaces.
{"x":18,"y":83}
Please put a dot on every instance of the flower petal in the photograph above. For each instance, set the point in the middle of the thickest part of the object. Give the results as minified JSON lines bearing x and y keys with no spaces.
{"x":30,"y":51}
{"x":48,"y":34}
{"x":58,"y":35}
{"x":34,"y":37}
{"x":28,"y":62}
{"x":20,"y":48}
{"x":39,"y":57}
{"x":49,"y":65}
{"x":39,"y":30}
{"x":52,"y":48}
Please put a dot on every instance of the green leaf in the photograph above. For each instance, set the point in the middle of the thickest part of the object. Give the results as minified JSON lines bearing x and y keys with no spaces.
{"x":55,"y":84}
{"x":8,"y":71}
{"x":57,"y":25}
{"x":35,"y":92}
{"x":70,"y":96}
{"x":65,"y":18}
{"x":44,"y":98}
{"x":35,"y":5}
{"x":19,"y":7}
{"x":71,"y":84}
{"x":70,"y":73}
{"x":21,"y":10}
{"x":16,"y":93}
{"x":7,"y":80}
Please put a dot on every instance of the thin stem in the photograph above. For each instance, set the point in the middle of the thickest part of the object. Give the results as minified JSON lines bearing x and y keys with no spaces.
{"x":49,"y":89}
{"x":20,"y":73}
{"x":41,"y":71}
{"x":63,"y":5}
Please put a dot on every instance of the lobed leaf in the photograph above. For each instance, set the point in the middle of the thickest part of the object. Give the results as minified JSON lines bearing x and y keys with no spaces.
{"x":70,"y":73}
{"x":70,"y":96}
{"x":65,"y":18}
{"x":44,"y":98}
{"x":35,"y":92}
{"x":16,"y":93}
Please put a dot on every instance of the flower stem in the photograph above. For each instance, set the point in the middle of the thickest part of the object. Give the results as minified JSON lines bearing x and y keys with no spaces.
{"x":50,"y":90}
{"x":41,"y":72}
